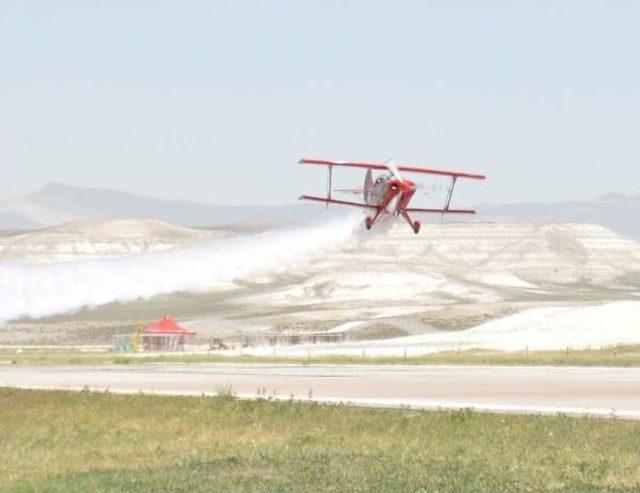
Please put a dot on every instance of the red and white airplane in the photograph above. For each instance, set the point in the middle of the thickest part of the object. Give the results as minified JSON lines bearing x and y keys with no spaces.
{"x":389,"y":193}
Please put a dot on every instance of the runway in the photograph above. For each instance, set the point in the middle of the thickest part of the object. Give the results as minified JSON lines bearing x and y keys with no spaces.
{"x":606,"y":392}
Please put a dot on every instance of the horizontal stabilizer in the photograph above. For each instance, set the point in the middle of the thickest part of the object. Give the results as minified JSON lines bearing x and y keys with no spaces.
{"x":337,"y":202}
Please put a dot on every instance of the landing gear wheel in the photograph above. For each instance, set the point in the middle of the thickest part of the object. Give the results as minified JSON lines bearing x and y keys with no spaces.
{"x":416,"y":227}
{"x":368,"y":222}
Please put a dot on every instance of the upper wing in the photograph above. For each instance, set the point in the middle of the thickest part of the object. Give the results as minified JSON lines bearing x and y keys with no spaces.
{"x":384,"y":166}
{"x":339,"y":202}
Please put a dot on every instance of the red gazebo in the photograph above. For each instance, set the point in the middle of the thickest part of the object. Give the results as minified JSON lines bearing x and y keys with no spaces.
{"x":165,"y":335}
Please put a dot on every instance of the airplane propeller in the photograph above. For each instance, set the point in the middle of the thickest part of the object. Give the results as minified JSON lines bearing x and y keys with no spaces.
{"x":393,"y":168}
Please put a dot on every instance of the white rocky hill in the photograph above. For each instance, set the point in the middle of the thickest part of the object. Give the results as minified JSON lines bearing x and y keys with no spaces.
{"x":82,"y":240}
{"x":548,"y":328}
{"x":467,"y":262}
{"x":574,"y":283}
{"x":386,"y":281}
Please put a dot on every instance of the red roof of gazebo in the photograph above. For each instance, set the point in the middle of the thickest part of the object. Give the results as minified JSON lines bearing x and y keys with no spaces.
{"x":167,"y":326}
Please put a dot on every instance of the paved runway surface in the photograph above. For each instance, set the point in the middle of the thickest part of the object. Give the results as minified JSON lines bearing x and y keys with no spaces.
{"x":596,"y":391}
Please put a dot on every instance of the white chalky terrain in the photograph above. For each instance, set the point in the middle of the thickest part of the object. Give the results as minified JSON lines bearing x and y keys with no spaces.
{"x":81,"y":240}
{"x":577,"y":327}
{"x":451,"y":262}
{"x":450,"y":276}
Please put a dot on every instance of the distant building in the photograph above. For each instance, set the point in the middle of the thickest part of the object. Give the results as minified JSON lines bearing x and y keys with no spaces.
{"x":296,"y":338}
{"x":165,"y":335}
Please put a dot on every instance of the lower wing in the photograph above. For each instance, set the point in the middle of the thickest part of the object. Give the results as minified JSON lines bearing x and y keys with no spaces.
{"x":337,"y":202}
{"x":442,"y":211}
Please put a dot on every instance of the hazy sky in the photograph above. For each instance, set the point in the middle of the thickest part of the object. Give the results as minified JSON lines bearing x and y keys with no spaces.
{"x":216,"y":100}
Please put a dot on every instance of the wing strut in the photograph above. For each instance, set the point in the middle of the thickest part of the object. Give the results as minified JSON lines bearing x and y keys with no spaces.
{"x":329,"y":183}
{"x":449,"y":194}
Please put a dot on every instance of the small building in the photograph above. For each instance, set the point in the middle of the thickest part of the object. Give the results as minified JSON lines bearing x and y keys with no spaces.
{"x":296,"y":338}
{"x":165,"y":335}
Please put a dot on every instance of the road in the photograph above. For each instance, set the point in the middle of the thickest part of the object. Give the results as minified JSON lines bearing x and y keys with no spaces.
{"x":572,"y":390}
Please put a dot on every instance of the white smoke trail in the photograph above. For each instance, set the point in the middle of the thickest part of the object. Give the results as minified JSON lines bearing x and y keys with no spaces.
{"x":42,"y":290}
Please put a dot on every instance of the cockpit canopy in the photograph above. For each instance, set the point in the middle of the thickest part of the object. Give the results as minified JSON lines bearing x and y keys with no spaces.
{"x":383,"y":177}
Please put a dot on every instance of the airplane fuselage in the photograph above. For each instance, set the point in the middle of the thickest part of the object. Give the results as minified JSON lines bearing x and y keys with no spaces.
{"x":390,"y":195}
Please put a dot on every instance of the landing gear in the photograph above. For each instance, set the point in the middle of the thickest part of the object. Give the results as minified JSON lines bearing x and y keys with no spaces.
{"x":369,"y":221}
{"x":415,"y":225}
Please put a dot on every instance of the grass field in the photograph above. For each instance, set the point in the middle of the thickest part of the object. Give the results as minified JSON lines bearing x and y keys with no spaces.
{"x":65,"y":441}
{"x":617,"y":356}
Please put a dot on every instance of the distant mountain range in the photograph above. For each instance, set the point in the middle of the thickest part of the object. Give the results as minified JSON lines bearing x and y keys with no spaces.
{"x":57,"y":203}
{"x":618,"y":212}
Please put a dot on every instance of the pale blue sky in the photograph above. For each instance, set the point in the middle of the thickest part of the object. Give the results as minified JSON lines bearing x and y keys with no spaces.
{"x":216,"y":100}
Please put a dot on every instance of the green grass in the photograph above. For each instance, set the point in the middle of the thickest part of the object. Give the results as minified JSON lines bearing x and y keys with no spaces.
{"x":618,"y":356}
{"x":66,"y":441}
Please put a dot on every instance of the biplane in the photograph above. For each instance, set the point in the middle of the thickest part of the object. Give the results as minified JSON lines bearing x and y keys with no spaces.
{"x":389,"y":192}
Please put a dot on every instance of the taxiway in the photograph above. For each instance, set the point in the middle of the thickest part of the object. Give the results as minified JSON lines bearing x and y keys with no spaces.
{"x":604,"y":392}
